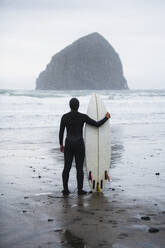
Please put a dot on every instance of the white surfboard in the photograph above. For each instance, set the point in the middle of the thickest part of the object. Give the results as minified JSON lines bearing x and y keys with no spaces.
{"x":97,"y":146}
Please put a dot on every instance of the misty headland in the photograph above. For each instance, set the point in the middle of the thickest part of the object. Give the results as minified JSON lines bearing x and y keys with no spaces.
{"x":88,"y":63}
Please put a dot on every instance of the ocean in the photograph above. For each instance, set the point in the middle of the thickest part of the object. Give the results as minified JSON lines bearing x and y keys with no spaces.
{"x":29,"y":125}
{"x":43,"y":109}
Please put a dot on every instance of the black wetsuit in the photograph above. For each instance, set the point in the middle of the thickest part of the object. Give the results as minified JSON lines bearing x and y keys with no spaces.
{"x":74,"y":143}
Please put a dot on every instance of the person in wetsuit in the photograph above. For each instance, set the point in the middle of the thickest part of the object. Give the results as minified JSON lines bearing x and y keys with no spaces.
{"x":74,"y":143}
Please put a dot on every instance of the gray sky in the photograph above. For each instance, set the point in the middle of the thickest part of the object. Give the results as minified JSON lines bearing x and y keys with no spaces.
{"x":32,"y":31}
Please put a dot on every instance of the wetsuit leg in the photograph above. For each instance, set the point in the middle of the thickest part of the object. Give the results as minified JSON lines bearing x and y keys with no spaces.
{"x":68,"y":158}
{"x":79,"y":152}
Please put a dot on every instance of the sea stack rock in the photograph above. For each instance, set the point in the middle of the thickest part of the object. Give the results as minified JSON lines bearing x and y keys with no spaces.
{"x":88,"y":63}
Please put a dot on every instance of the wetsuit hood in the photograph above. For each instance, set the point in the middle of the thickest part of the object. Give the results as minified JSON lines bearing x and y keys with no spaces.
{"x":74,"y":104}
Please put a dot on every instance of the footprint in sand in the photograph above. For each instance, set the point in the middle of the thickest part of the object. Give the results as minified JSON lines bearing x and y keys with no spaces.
{"x":122,"y":236}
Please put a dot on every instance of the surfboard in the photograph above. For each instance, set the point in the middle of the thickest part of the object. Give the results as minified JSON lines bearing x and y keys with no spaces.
{"x":97,"y":146}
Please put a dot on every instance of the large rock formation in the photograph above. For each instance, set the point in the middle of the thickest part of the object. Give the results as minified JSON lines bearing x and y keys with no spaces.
{"x":89,"y":63}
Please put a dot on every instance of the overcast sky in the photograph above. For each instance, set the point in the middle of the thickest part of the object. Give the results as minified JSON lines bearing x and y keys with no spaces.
{"x":32,"y":31}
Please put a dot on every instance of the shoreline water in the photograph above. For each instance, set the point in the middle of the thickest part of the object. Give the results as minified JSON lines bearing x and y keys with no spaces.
{"x":33,"y":211}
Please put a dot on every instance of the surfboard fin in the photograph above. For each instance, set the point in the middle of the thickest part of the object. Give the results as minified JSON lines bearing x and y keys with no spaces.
{"x":90,"y":176}
{"x":93,"y":184}
{"x":98,"y":188}
{"x":101,"y":184}
{"x":107,"y":177}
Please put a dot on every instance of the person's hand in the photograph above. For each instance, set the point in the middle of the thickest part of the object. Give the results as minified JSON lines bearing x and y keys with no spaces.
{"x":108,"y":115}
{"x":61,"y":148}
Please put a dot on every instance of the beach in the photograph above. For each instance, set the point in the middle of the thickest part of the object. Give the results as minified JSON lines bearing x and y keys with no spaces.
{"x":130,"y":213}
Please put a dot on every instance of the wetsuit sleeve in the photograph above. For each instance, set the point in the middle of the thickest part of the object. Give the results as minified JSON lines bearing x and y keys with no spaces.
{"x":92,"y":122}
{"x":61,"y":132}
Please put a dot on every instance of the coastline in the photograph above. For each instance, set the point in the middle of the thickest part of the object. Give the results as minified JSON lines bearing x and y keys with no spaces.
{"x":35,"y":214}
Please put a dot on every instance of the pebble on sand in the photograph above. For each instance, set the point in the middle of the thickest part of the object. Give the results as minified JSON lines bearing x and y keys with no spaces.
{"x":112,"y":189}
{"x":153,"y":230}
{"x":145,"y":218}
{"x":58,"y":230}
{"x":49,"y":220}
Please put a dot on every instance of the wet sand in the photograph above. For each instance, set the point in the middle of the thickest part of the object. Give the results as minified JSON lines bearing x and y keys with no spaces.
{"x":130,"y":213}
